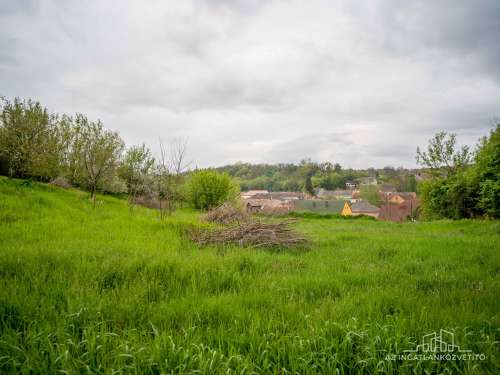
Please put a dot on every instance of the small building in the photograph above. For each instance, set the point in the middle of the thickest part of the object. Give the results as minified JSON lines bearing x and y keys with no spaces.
{"x":346,"y":209}
{"x":351,"y":185}
{"x":360,"y":208}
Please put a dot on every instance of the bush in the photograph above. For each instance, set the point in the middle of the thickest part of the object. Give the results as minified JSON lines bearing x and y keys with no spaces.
{"x":208,"y":189}
{"x":466,"y":190}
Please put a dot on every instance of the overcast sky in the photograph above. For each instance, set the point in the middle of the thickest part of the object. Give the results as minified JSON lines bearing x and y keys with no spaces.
{"x":361,"y":83}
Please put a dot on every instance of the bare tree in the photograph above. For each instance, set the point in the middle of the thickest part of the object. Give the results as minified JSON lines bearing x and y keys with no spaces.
{"x":178,"y":151}
{"x":168,"y":175}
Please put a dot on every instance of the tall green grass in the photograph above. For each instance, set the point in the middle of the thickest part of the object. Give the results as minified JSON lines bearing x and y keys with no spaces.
{"x":104,"y":290}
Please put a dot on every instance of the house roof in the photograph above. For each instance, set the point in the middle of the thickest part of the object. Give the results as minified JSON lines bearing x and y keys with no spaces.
{"x":286,"y":194}
{"x":405,"y":195}
{"x":318,"y":205}
{"x":334,"y":193}
{"x":364,"y":206}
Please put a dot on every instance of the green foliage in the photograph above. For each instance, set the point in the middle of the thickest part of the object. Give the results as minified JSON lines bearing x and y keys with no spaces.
{"x":135,"y":168}
{"x":291,"y":177}
{"x":446,"y":198}
{"x":371,"y":194}
{"x":103,"y":291}
{"x":486,"y":174}
{"x":208,"y":189}
{"x":100,"y":152}
{"x":464,"y":190}
{"x":37,"y":144}
{"x":442,"y":156}
{"x":30,"y":141}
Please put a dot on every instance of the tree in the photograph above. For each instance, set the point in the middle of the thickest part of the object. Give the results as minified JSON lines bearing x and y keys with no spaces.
{"x":100,"y":152}
{"x":485,"y":174}
{"x":371,"y":194}
{"x":308,"y":185}
{"x":29,"y":140}
{"x":458,"y":188}
{"x":135,"y":169}
{"x":442,"y":157}
{"x":178,"y":152}
{"x":207,"y":189}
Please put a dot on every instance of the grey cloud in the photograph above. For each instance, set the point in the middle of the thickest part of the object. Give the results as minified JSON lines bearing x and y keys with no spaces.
{"x":263,"y":81}
{"x":465,"y":30}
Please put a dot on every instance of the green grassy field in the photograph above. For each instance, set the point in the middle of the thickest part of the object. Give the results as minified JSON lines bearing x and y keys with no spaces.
{"x":103,"y":290}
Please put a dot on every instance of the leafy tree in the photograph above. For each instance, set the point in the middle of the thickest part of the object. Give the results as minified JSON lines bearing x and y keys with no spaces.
{"x":458,"y":188}
{"x":100,"y":152}
{"x":135,"y":169}
{"x":308,"y":185}
{"x":29,"y":140}
{"x":207,"y":189}
{"x":371,"y":194}
{"x":486,"y":174}
{"x":442,"y":156}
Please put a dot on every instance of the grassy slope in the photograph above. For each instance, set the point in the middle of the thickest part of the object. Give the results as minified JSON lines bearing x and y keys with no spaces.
{"x":84,"y":289}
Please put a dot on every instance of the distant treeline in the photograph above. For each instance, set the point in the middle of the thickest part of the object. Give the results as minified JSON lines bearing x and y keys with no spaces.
{"x":308,"y":175}
{"x":37,"y":144}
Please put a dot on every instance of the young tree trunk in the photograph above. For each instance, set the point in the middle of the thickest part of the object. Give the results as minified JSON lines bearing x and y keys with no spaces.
{"x":93,"y":195}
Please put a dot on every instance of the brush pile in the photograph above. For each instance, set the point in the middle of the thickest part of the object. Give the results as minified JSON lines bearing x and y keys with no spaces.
{"x":252,"y":234}
{"x":226,"y":214}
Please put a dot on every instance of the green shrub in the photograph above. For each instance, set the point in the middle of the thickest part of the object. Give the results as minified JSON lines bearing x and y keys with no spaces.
{"x":208,"y":189}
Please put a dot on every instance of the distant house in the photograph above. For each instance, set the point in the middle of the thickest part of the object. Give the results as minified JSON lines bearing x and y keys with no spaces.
{"x":346,"y":209}
{"x":400,"y":197}
{"x":351,"y":185}
{"x":251,"y":193}
{"x":318,"y":206}
{"x":360,"y":208}
{"x":399,"y":212}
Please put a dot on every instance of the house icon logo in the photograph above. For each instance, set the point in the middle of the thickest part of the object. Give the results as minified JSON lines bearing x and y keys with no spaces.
{"x":437,"y":346}
{"x":442,"y":342}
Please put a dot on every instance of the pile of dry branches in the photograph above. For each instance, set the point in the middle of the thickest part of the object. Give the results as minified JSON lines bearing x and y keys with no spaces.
{"x":226,"y":214}
{"x":252,"y":234}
